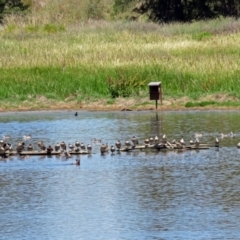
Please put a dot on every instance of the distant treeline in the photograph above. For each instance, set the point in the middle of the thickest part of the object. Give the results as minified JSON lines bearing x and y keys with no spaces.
{"x":188,"y":10}
{"x":12,"y":6}
{"x":155,"y":10}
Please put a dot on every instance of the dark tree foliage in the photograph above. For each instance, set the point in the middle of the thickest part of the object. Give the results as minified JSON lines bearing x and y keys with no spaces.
{"x":187,"y":10}
{"x":11,"y":6}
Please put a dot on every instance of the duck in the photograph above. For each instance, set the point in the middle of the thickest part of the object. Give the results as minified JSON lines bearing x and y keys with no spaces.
{"x":77,"y":162}
{"x":63,"y":145}
{"x":5,"y":137}
{"x":118,"y":144}
{"x":197,"y":143}
{"x":182,"y":141}
{"x":27,"y":137}
{"x":71,"y":146}
{"x":128,"y":144}
{"x":30,"y":147}
{"x":224,"y":135}
{"x":150,"y":140}
{"x":57,"y":147}
{"x":77,"y":144}
{"x":198,"y":135}
{"x":135,"y":141}
{"x":1,"y":142}
{"x":164,"y":139}
{"x":232,"y":134}
{"x":89,"y":148}
{"x":49,"y":149}
{"x":238,"y":145}
{"x":20,"y":146}
{"x":156,"y":139}
{"x":83,"y":147}
{"x":8,"y":146}
{"x":96,"y":141}
{"x":41,"y":146}
{"x":76,"y":114}
{"x":103,"y":149}
{"x":112,"y":149}
{"x":146,"y":141}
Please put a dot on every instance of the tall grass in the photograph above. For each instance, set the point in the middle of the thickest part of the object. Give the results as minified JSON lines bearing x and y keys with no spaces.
{"x":45,"y":57}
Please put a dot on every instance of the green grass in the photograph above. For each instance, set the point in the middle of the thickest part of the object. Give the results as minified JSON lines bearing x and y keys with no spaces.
{"x":103,"y":59}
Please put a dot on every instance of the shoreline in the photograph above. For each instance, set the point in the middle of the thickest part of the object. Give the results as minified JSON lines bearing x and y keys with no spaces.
{"x":136,"y":104}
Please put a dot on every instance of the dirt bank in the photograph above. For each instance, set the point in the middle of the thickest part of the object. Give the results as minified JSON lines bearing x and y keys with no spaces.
{"x":119,"y":104}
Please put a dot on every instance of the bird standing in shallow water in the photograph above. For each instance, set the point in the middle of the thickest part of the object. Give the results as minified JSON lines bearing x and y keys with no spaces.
{"x":76,"y":114}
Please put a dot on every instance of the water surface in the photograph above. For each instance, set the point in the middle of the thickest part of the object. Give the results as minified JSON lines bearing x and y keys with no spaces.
{"x":133,"y":195}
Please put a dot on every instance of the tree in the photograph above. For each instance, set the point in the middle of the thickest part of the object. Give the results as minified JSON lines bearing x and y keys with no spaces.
{"x":187,"y":10}
{"x":11,"y":6}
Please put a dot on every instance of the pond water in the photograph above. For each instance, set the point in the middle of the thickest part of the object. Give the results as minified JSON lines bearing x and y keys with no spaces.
{"x":131,"y":195}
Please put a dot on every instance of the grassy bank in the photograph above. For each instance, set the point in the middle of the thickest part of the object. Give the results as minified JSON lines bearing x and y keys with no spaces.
{"x":92,"y":61}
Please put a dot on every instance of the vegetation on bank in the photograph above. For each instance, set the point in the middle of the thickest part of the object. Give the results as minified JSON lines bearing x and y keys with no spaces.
{"x":95,"y":59}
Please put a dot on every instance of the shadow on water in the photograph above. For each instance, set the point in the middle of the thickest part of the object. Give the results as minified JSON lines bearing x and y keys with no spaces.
{"x":124,"y":195}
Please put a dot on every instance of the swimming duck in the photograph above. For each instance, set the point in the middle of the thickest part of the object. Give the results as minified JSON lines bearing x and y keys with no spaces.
{"x":5,"y":137}
{"x":224,"y":135}
{"x":76,"y":114}
{"x":27,"y":137}
{"x":198,"y":135}
{"x":96,"y":141}
{"x":77,"y":161}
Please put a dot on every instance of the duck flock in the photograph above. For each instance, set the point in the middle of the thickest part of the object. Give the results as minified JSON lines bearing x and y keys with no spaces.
{"x":67,"y":150}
